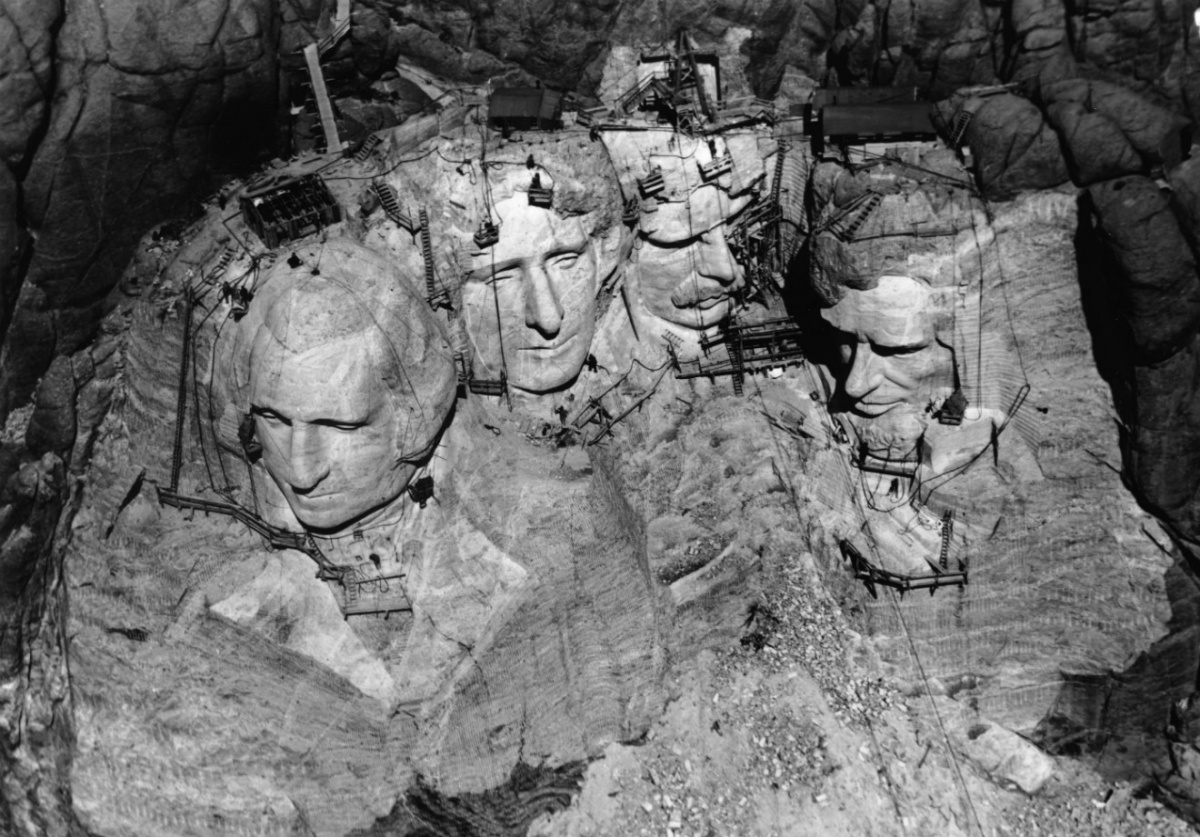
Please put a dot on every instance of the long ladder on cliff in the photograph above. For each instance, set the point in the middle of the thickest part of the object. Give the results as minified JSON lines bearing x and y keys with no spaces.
{"x":735,"y":357}
{"x":391,"y":205}
{"x":427,"y":254}
{"x":434,"y":295}
{"x":947,"y":532}
{"x":181,"y":394}
{"x":776,"y":189}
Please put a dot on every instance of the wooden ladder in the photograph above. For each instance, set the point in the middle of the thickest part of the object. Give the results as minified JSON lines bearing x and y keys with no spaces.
{"x":427,"y":254}
{"x":391,"y":206}
{"x":369,"y":145}
{"x":869,"y":206}
{"x":947,"y":531}
{"x":959,"y":127}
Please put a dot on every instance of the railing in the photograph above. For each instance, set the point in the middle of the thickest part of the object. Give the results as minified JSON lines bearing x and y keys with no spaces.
{"x":340,"y":28}
{"x":278,"y":538}
{"x":871,"y":576}
{"x":633,"y":97}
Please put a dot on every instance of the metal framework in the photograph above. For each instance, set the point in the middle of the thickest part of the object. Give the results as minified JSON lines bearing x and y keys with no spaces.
{"x":750,"y":347}
{"x":874,"y":577}
{"x":286,"y":211}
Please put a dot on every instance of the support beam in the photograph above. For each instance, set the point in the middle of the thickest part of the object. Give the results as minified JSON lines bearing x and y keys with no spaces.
{"x":333,"y":143}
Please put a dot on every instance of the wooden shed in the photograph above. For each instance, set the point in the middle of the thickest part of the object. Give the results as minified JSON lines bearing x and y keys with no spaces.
{"x":525,"y":109}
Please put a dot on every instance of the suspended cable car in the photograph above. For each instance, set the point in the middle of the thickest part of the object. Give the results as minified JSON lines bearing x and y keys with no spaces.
{"x":539,"y":195}
{"x":487,"y":386}
{"x":421,"y":491}
{"x":718,"y":165}
{"x":653,"y":183}
{"x":867,"y":461}
{"x":487,"y":234}
{"x":250,"y":445}
{"x":953,"y":409}
{"x":631,"y":212}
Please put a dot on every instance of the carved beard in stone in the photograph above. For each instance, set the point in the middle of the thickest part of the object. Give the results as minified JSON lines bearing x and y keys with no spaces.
{"x":686,"y":273}
{"x":541,"y":276}
{"x":894,"y":368}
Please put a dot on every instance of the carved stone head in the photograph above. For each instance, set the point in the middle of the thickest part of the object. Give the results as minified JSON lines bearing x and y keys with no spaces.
{"x":907,"y":302}
{"x":348,"y":380}
{"x":532,"y":295}
{"x":685,"y":275}
{"x":894,"y":362}
{"x":529,"y":299}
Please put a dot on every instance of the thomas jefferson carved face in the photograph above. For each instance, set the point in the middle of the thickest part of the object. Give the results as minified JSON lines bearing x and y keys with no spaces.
{"x":893,"y":365}
{"x":328,"y":432}
{"x":541,"y":278}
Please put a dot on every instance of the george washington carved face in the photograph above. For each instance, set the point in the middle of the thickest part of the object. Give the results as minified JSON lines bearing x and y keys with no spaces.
{"x":348,"y":380}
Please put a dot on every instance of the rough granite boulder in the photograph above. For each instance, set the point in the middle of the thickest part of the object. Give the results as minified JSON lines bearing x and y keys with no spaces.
{"x":1161,"y":294}
{"x":1039,"y":45}
{"x":1130,"y":37}
{"x":1015,"y":148}
{"x":1108,"y":131}
{"x":944,"y":44}
{"x":155,"y":103}
{"x":26,"y":73}
{"x":1095,"y":148}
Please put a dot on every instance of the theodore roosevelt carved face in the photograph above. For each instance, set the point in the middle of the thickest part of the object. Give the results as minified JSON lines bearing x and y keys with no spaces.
{"x":687,"y":274}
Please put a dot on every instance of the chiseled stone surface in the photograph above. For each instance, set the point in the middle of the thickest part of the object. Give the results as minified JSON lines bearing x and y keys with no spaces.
{"x":1015,"y":148}
{"x":537,"y":633}
{"x":1068,"y":577}
{"x":86,"y":209}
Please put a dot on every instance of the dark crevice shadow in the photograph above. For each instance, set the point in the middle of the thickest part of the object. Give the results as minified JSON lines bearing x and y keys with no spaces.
{"x":504,"y":811}
{"x":1100,"y":282}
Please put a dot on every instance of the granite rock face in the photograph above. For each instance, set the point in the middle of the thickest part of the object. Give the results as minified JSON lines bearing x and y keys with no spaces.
{"x":174,"y":117}
{"x":1015,"y":147}
{"x":149,"y":106}
{"x":1159,"y":293}
{"x":1023,"y":632}
{"x":1108,"y":131}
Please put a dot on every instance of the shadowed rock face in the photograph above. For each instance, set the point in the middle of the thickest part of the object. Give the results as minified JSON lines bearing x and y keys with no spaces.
{"x":1157,"y":287}
{"x":145,"y":107}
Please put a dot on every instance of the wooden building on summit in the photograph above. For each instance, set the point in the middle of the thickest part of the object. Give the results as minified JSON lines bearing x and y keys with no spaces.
{"x":883,"y":122}
{"x":525,"y":109}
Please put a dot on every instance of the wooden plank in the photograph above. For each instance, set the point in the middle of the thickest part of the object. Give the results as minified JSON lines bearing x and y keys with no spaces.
{"x":332,"y":142}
